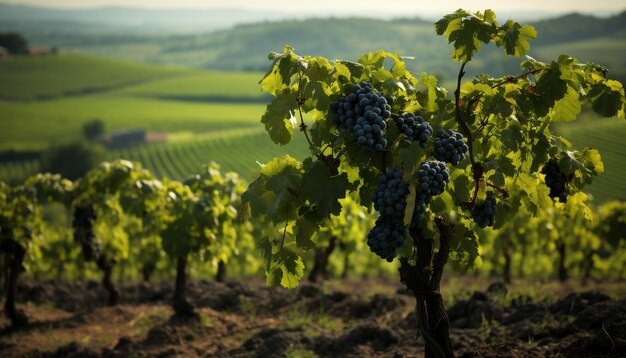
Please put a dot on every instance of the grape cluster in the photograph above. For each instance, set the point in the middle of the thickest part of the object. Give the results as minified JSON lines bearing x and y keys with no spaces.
{"x":390,"y":195}
{"x":389,"y":199}
{"x":555,"y":180}
{"x":485,"y":212}
{"x":414,"y":127}
{"x":385,"y":238}
{"x":363,"y":113}
{"x":450,"y":147}
{"x":83,"y":219}
{"x":432,"y":180}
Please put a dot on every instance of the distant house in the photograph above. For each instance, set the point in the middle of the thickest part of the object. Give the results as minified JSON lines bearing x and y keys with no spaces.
{"x":125,"y":138}
{"x":38,"y":51}
{"x":131,"y":137}
{"x":3,"y":52}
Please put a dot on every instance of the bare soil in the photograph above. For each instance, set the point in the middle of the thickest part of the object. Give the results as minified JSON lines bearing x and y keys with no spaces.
{"x":352,"y":318}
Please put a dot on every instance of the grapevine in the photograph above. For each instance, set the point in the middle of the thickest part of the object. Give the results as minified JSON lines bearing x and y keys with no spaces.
{"x":500,"y":124}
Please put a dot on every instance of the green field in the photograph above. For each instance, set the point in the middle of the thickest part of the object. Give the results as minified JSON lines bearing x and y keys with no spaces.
{"x":238,"y":150}
{"x":606,"y":135}
{"x":26,"y":78}
{"x":209,"y":116}
{"x":34,"y":125}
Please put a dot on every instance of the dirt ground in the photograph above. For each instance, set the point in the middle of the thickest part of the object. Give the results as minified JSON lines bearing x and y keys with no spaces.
{"x":353,"y":318}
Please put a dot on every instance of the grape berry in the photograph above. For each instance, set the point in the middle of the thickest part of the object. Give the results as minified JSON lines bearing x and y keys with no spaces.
{"x":555,"y":180}
{"x":485,"y":212}
{"x":415,"y":128}
{"x":450,"y":147}
{"x":363,"y":113}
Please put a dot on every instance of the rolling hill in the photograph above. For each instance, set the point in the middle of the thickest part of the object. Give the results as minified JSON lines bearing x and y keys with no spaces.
{"x":245,"y":46}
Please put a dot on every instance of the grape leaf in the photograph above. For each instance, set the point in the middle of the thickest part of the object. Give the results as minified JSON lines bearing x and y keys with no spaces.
{"x":286,"y":268}
{"x":607,"y":99}
{"x":514,"y":37}
{"x":322,"y":188}
{"x":467,"y":31}
{"x":567,"y":108}
{"x":550,"y":86}
{"x":277,"y":118}
{"x":305,"y":229}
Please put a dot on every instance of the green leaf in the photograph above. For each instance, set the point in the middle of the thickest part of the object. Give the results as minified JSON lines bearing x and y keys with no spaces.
{"x":286,"y":269}
{"x":348,"y":69}
{"x":461,"y":186}
{"x":272,"y":82}
{"x":512,"y":136}
{"x":550,"y":86}
{"x":536,"y":198}
{"x":607,"y":99}
{"x":541,"y":151}
{"x":305,"y":229}
{"x":278,"y":118}
{"x":374,"y":59}
{"x":567,"y":108}
{"x":430,"y":82}
{"x":584,"y":165}
{"x":466,"y":31}
{"x":464,"y":253}
{"x":323,"y":188}
{"x":504,"y":211}
{"x":514,"y":38}
{"x":411,"y":156}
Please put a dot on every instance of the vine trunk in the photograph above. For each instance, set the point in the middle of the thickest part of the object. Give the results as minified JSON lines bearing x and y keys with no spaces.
{"x":423,"y":279}
{"x":106,"y":266}
{"x":15,"y":257}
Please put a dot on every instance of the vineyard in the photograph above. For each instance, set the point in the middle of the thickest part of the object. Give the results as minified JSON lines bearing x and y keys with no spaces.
{"x":323,"y":208}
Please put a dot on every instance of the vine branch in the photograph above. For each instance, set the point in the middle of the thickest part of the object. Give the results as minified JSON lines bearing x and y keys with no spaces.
{"x":299,"y":102}
{"x":284,"y":234}
{"x":514,"y":79}
{"x":477,"y":168}
{"x":459,"y":117}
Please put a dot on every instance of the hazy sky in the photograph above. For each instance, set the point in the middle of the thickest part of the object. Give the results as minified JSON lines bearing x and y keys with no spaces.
{"x":346,"y":7}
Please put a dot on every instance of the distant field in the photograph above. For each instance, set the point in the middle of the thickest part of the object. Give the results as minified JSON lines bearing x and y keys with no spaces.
{"x":200,"y":85}
{"x":34,"y":125}
{"x":129,"y":96}
{"x":606,"y":135}
{"x":37,"y":77}
{"x":210,"y":116}
{"x":607,"y":51}
{"x":240,"y":151}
